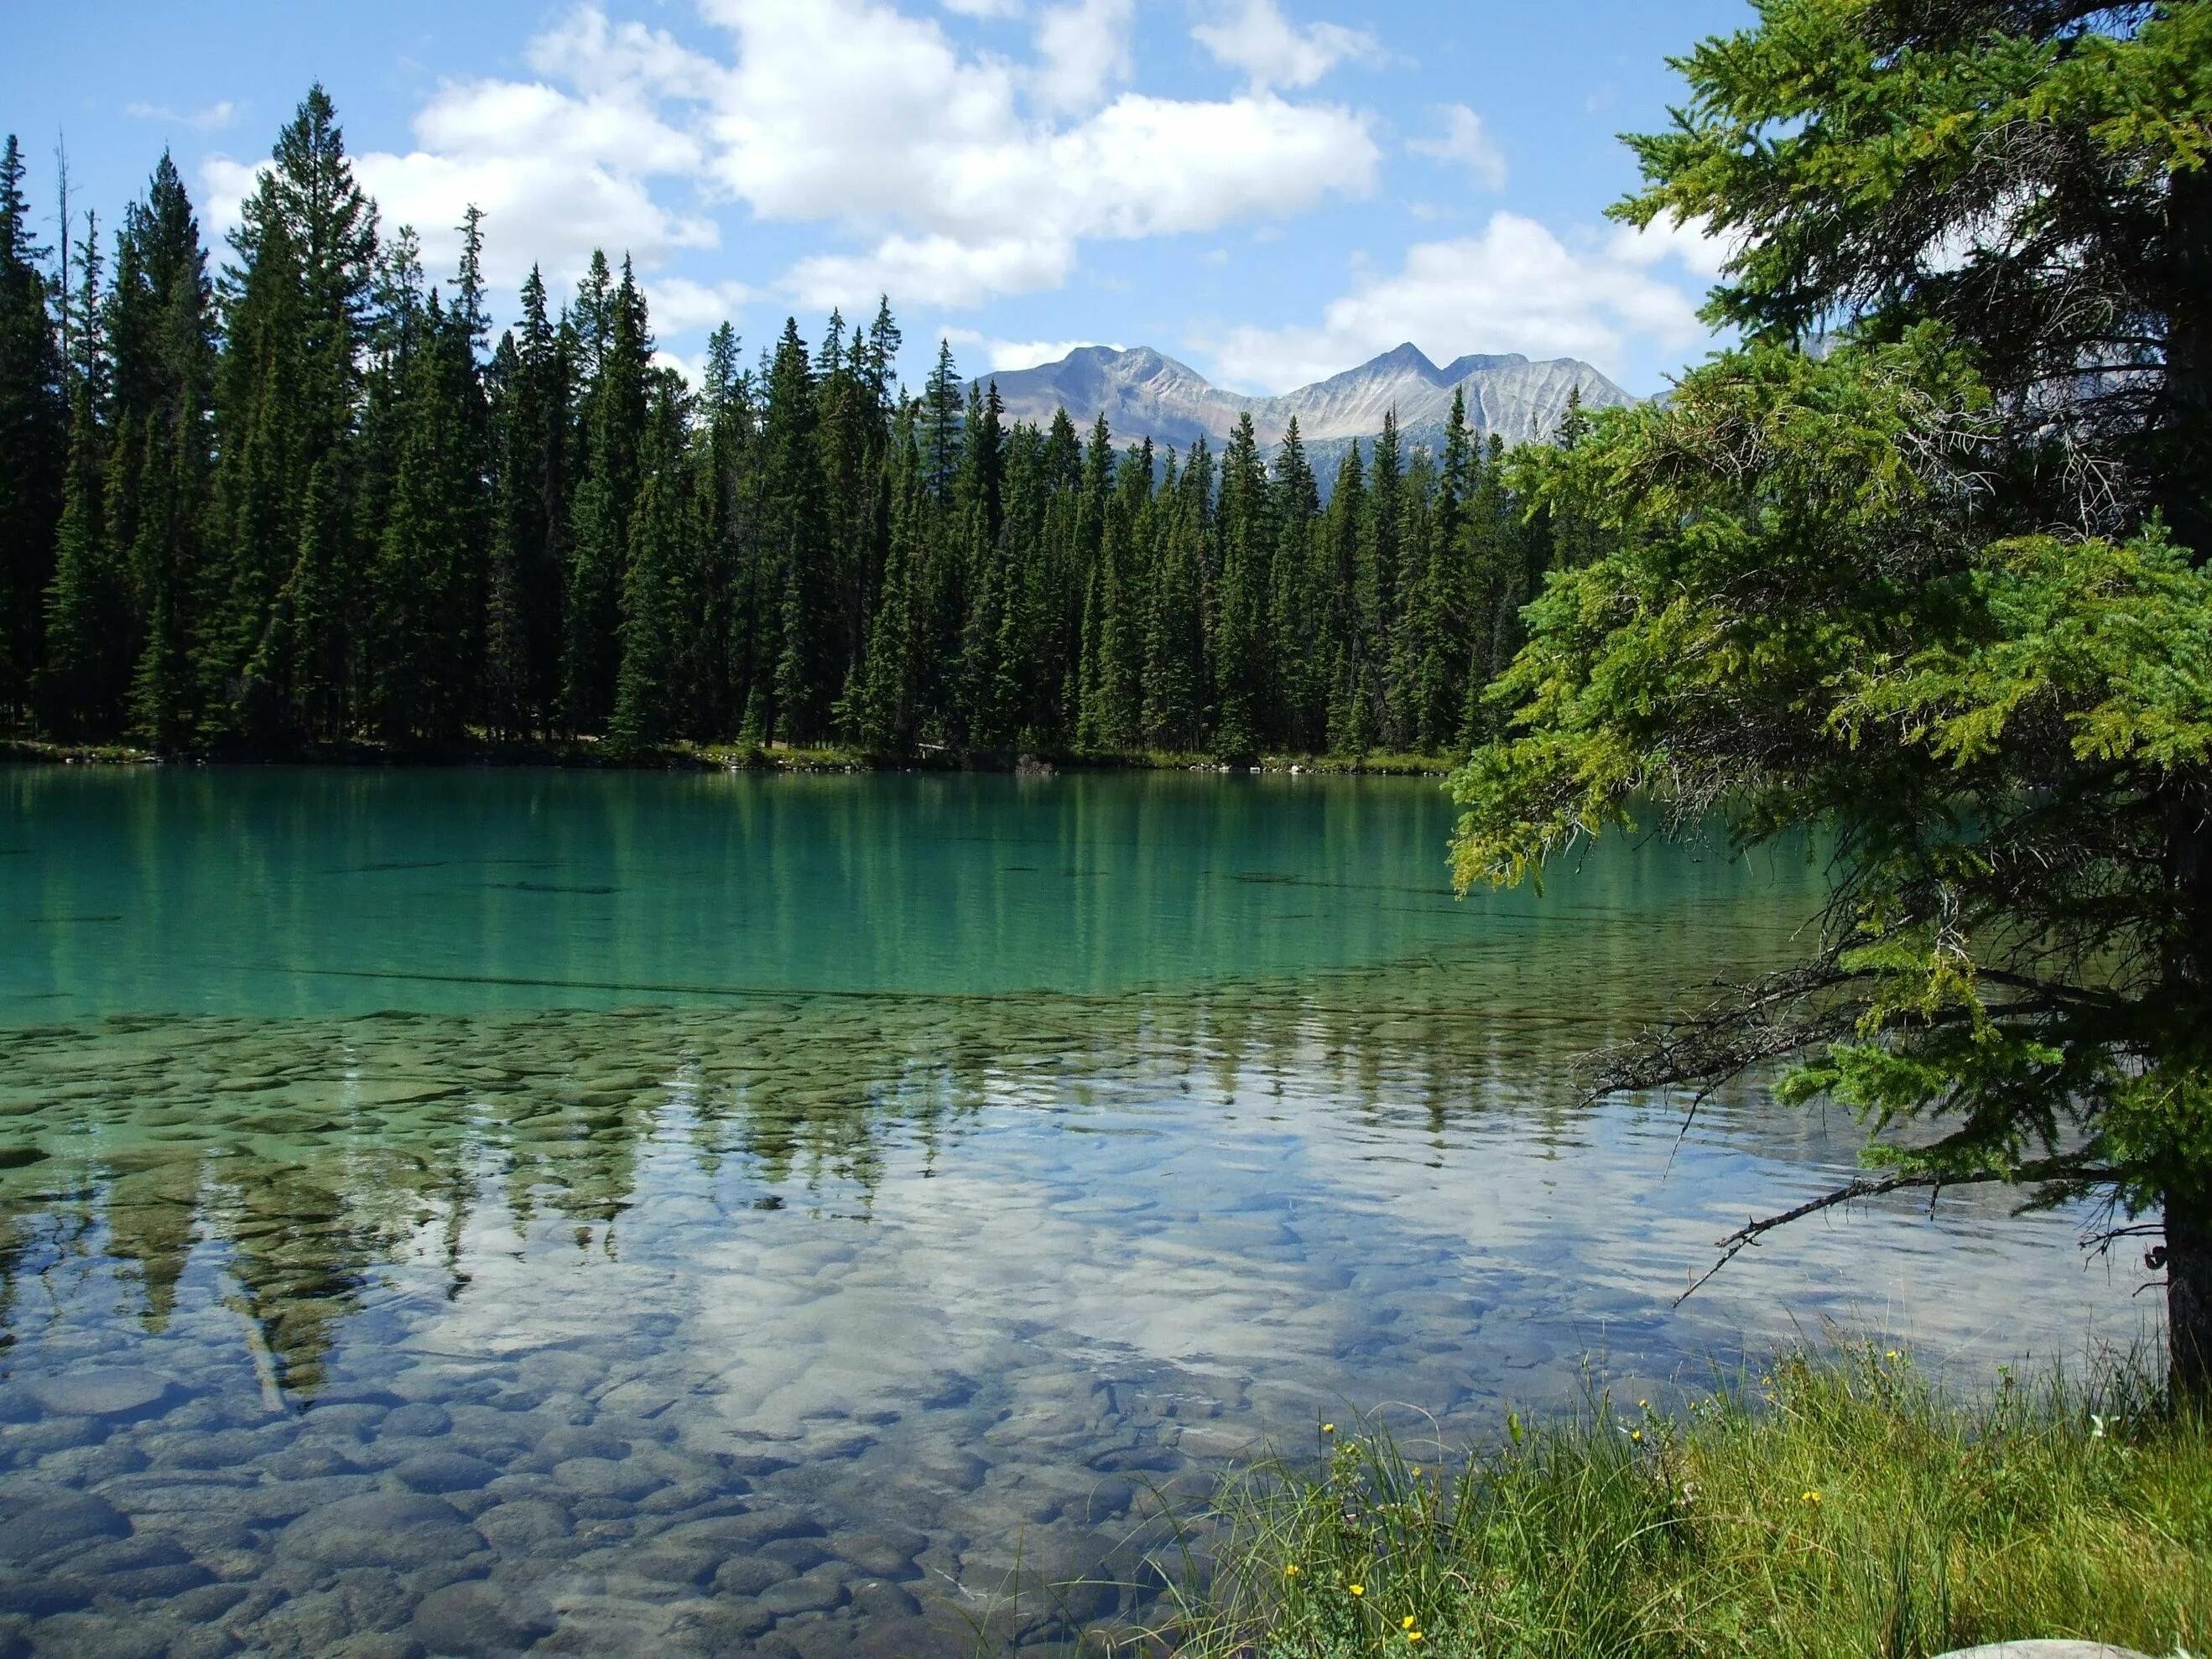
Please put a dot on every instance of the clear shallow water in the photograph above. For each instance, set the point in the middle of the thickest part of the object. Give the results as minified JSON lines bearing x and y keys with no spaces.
{"x":456,"y":1211}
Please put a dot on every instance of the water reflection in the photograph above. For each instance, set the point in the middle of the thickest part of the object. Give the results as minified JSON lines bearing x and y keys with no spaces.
{"x":482,"y":1309}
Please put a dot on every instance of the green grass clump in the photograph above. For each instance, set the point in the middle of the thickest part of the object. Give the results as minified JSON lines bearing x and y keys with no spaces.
{"x":1840,"y":1505}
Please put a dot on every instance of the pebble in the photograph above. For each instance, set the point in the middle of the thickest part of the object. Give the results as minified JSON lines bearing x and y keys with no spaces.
{"x":114,"y":1391}
{"x":445,"y":1471}
{"x":45,"y":1522}
{"x":398,"y":1529}
{"x":478,"y":1620}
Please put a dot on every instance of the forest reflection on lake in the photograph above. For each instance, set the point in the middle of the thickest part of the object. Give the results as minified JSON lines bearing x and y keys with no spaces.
{"x":706,"y":1213}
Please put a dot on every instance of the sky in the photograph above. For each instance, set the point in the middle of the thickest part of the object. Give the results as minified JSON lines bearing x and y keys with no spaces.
{"x":1269,"y":191}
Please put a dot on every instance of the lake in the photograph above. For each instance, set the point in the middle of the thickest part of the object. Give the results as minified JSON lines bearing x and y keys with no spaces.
{"x":458,"y":1211}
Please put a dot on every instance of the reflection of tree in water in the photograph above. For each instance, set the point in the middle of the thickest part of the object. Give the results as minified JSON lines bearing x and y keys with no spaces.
{"x":309,"y":1153}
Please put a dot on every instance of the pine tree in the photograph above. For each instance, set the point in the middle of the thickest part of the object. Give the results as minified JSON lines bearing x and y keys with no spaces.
{"x":650,"y":696}
{"x":1242,"y":685}
{"x":161,"y":335}
{"x":298,"y":306}
{"x":795,"y":533}
{"x":941,"y":422}
{"x":1300,"y":614}
{"x":85,"y":674}
{"x":618,"y":347}
{"x":34,"y":425}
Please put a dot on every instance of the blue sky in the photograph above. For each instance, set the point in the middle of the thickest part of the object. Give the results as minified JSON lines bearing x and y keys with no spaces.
{"x":1269,"y":190}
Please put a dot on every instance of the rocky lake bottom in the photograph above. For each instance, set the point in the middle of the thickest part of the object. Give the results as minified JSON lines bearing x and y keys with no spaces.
{"x":442,"y":1303}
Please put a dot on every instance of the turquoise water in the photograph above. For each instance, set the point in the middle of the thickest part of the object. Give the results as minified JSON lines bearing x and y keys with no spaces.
{"x":460,"y":1212}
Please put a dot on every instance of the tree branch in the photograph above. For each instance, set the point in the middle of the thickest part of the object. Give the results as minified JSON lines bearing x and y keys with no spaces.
{"x":1875,"y":1186}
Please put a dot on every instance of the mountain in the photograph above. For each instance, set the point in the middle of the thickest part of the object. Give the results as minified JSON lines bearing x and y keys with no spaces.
{"x":1144,"y":394}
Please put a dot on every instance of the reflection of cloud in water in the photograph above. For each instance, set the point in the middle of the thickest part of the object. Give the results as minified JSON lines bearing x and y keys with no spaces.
{"x":944,"y":1260}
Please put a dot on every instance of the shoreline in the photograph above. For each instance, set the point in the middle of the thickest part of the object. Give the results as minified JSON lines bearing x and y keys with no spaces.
{"x":587,"y":755}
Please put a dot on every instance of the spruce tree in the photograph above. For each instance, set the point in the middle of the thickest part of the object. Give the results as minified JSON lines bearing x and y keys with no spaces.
{"x":161,"y":337}
{"x":34,"y":423}
{"x":84,"y":677}
{"x":297,"y":307}
{"x":618,"y":348}
{"x":795,"y":533}
{"x":650,"y":696}
{"x":1299,"y":611}
{"x":1242,"y":685}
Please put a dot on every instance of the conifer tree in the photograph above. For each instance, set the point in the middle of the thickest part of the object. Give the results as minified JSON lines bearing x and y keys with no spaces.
{"x":1299,"y":614}
{"x":34,"y":423}
{"x":84,"y":676}
{"x":795,"y":534}
{"x":161,"y":336}
{"x":618,"y":350}
{"x":298,"y":307}
{"x":650,"y":696}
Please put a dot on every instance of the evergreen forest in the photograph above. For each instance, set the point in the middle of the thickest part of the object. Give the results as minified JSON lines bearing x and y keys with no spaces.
{"x":295,"y":498}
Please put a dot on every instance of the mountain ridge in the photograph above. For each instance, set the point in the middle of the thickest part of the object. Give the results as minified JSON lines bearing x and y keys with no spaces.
{"x":1145,"y":394}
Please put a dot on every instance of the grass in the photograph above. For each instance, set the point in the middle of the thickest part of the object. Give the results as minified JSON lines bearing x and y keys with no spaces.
{"x":1842,"y":1504}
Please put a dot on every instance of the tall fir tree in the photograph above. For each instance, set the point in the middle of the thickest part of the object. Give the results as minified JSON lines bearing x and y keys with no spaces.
{"x":161,"y":336}
{"x":83,"y":682}
{"x":34,"y":422}
{"x":618,"y":349}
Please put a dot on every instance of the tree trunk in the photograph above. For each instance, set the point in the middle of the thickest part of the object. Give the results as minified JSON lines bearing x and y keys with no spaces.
{"x":2182,"y":486}
{"x":2188,"y":1259}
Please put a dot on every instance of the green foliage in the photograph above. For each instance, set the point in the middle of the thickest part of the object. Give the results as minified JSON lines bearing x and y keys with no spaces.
{"x":1937,"y":593}
{"x":1838,"y":1504}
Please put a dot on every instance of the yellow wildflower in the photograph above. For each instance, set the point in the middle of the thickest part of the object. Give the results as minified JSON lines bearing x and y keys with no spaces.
{"x":1812,"y":1498}
{"x":1291,"y":1571}
{"x":1357,"y":1590}
{"x":1328,"y":1428}
{"x":1408,"y":1622}
{"x":1636,"y":1434}
{"x":1412,"y":1636}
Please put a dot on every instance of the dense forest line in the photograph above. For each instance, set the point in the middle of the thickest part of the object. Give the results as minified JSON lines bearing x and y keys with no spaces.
{"x":307,"y":502}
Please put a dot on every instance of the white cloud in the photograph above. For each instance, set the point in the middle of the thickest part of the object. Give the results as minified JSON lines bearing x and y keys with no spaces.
{"x":1465,"y":142}
{"x":936,"y":270}
{"x":983,"y":7}
{"x":947,"y":177}
{"x":1000,"y":355}
{"x":556,"y":176}
{"x":212,"y":117}
{"x":677,"y":305}
{"x":1083,"y":49}
{"x":1690,"y":244}
{"x":1255,"y":38}
{"x":1516,"y":286}
{"x":852,"y":111}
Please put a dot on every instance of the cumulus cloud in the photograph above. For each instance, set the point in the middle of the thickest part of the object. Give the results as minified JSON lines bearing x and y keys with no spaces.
{"x":210,"y":118}
{"x":1083,"y":49}
{"x":1002,"y":355}
{"x":1253,"y":37}
{"x":1465,"y":142}
{"x":1691,"y":244}
{"x":852,"y":112}
{"x":1516,"y":286}
{"x":677,"y":305}
{"x":947,"y":177}
{"x":557,"y":173}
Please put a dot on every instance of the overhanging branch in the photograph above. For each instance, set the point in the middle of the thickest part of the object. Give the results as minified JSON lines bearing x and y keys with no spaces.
{"x":1875,"y":1186}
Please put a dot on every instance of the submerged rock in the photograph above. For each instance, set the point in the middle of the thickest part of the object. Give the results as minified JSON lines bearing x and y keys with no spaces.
{"x":377,"y":1530}
{"x":110,"y":1391}
{"x":478,"y":1619}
